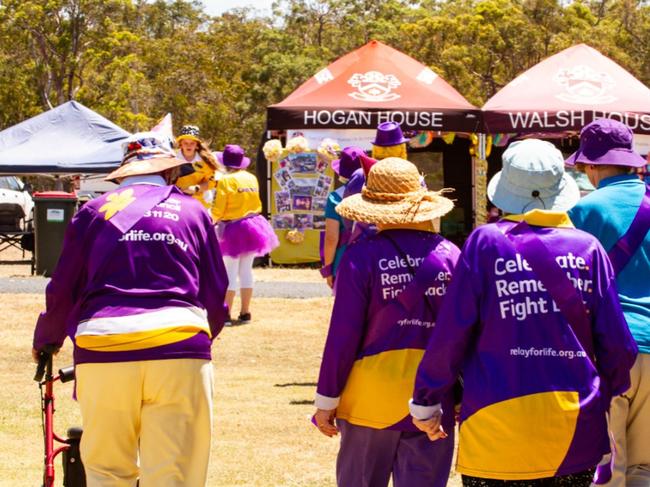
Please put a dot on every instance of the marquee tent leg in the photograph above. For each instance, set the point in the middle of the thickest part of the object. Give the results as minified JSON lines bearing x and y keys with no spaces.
{"x":479,"y":182}
{"x":268,"y":188}
{"x":263,"y":173}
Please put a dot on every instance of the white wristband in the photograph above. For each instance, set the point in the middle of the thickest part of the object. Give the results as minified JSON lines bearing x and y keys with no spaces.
{"x":325,"y":402}
{"x":424,"y":412}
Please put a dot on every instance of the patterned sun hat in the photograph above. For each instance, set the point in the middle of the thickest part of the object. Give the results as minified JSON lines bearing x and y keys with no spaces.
{"x":190,"y":132}
{"x":145,"y":153}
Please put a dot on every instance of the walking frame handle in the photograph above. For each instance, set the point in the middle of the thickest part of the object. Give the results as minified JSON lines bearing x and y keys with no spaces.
{"x":44,"y":362}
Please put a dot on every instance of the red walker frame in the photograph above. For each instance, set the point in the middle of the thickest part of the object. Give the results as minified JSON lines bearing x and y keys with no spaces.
{"x":46,"y":381}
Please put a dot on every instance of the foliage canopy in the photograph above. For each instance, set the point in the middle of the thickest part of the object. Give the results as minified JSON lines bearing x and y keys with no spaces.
{"x":135,"y":60}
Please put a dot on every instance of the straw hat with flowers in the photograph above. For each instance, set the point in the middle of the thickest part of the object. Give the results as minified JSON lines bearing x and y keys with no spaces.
{"x":393,"y":194}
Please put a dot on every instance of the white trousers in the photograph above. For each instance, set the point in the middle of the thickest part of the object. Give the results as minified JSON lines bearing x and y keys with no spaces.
{"x":240,"y":271}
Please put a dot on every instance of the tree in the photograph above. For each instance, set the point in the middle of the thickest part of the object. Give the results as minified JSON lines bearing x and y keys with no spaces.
{"x":135,"y":60}
{"x":59,"y":32}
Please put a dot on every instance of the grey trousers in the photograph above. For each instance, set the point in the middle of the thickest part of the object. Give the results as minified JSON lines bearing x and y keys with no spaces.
{"x":369,"y":456}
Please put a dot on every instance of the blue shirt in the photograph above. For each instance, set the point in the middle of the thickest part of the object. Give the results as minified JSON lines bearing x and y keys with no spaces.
{"x":333,"y":199}
{"x":607,"y":213}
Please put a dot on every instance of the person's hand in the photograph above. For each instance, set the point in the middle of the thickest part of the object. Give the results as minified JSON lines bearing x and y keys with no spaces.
{"x":431,"y":427}
{"x":191,"y":190}
{"x":330,"y":281}
{"x":324,"y":419}
{"x":204,"y":186}
{"x":36,"y":354}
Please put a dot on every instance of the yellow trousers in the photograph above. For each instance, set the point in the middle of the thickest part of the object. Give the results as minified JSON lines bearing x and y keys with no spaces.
{"x":150,"y":420}
{"x":629,"y":424}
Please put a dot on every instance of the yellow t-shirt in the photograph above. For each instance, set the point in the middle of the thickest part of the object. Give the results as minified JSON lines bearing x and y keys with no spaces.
{"x":203,"y":173}
{"x":238,"y":195}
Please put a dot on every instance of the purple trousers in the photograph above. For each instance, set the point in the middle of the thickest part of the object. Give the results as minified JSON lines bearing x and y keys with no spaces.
{"x":369,"y":456}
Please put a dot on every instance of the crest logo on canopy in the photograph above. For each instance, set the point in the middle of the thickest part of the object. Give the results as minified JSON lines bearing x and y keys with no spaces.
{"x":585,"y":86}
{"x":374,"y":86}
{"x":323,"y":76}
{"x":427,"y":76}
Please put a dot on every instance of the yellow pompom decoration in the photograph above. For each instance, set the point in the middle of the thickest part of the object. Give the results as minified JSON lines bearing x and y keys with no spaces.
{"x":295,"y":236}
{"x":297,"y":145}
{"x":273,"y":150}
{"x":329,"y":149}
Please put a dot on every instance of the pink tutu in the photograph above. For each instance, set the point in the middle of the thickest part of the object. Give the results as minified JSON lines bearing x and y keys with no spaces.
{"x":250,"y":235}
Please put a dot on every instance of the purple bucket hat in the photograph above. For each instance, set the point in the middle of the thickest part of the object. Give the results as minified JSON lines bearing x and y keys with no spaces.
{"x":348,"y":162}
{"x":233,"y":157}
{"x":606,"y":141}
{"x":389,"y":133}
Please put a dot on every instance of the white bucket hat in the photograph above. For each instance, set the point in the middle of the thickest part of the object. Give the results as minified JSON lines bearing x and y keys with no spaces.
{"x":533,"y":177}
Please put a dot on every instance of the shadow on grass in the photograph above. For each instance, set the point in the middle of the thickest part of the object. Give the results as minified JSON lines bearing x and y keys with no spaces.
{"x":297,"y":384}
{"x":305,"y":402}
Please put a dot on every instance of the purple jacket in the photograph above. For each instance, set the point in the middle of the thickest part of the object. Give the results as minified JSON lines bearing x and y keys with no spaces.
{"x":534,"y":402}
{"x":375,"y":340}
{"x":157,"y":293}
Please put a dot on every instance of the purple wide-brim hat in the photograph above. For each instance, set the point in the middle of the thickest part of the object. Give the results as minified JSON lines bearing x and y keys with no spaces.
{"x":348,"y":162}
{"x":612,"y":157}
{"x":388,"y":134}
{"x":233,"y":157}
{"x":606,"y":142}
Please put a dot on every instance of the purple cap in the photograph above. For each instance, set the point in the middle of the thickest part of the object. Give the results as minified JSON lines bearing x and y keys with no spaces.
{"x":606,"y":141}
{"x":233,"y":157}
{"x":389,"y":133}
{"x":348,"y":162}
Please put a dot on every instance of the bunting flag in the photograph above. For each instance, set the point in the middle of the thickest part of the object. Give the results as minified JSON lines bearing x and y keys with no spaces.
{"x":449,"y":138}
{"x":421,"y":139}
{"x":164,"y":126}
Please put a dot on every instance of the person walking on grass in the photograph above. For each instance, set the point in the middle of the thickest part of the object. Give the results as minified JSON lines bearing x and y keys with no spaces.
{"x":389,"y":287}
{"x":139,"y":288}
{"x":242,"y":231}
{"x":618,"y":215}
{"x":532,"y":321}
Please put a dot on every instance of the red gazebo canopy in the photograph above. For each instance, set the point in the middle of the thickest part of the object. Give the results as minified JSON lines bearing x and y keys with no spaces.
{"x":375,"y":84}
{"x":565,"y":92}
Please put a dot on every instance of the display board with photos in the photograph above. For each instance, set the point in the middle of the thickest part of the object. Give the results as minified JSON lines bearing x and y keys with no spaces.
{"x":301,"y":183}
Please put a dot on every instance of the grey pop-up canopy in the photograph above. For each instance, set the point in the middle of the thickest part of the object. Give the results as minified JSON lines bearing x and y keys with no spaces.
{"x":67,"y":139}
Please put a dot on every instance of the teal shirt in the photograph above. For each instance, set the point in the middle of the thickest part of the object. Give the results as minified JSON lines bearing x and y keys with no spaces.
{"x":333,"y":199}
{"x":607,"y":213}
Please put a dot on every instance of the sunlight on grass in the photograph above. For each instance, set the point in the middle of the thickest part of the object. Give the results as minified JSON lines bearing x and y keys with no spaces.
{"x":265,"y":377}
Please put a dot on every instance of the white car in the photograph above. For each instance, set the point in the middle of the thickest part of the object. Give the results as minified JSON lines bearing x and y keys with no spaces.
{"x":16,"y":205}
